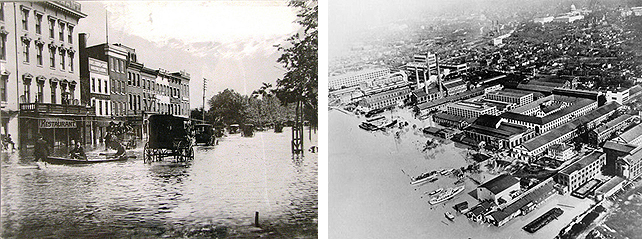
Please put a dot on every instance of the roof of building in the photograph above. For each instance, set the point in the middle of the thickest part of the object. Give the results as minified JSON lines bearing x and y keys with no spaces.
{"x":552,"y":79}
{"x":582,"y":163}
{"x":481,"y":208}
{"x":547,"y":137}
{"x":454,"y":84}
{"x":470,"y":105}
{"x":375,"y":97}
{"x":576,"y":93}
{"x":631,"y":134}
{"x":511,"y":93}
{"x":450,"y":98}
{"x":536,"y":88}
{"x":358,"y":72}
{"x":610,"y":184}
{"x":613,"y":123}
{"x":535,"y":196}
{"x":449,"y":117}
{"x":635,"y":90}
{"x":533,"y":104}
{"x":488,"y":120}
{"x":419,"y":92}
{"x":548,"y":118}
{"x":500,"y":105}
{"x":500,"y":183}
{"x":612,"y":145}
{"x":561,"y":147}
{"x":634,"y":157}
{"x":564,"y":129}
{"x":504,"y":131}
{"x":431,"y":130}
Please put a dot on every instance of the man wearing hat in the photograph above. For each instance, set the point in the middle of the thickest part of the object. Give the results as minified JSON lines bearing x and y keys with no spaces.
{"x":42,"y":148}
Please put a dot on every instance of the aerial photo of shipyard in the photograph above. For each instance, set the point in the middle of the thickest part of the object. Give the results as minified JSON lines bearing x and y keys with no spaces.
{"x":485,"y":119}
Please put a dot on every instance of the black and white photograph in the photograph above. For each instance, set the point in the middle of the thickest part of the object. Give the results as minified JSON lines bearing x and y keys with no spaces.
{"x":159,"y":119}
{"x":484,"y":119}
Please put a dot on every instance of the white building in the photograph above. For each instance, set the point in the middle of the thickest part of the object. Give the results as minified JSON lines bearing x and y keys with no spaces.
{"x":355,"y":78}
{"x":500,"y":189}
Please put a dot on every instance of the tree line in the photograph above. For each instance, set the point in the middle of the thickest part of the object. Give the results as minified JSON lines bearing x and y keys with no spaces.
{"x":298,"y":89}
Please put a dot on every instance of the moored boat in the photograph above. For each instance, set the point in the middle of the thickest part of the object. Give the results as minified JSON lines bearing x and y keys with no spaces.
{"x":424,"y":177}
{"x":436,"y":191}
{"x":447,"y":195}
{"x":61,"y":160}
{"x":368,"y":126}
{"x":450,"y":216}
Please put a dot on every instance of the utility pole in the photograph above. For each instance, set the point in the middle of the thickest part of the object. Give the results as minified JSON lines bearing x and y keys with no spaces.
{"x":204,"y":87}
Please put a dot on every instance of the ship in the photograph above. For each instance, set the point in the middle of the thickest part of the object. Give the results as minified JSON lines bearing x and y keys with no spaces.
{"x":427,"y":176}
{"x":446,"y":195}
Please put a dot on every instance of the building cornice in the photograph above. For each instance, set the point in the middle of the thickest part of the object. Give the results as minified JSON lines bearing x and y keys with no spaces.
{"x":70,"y":7}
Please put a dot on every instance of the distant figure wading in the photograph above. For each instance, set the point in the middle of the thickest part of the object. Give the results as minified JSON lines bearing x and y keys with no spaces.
{"x":41,"y":151}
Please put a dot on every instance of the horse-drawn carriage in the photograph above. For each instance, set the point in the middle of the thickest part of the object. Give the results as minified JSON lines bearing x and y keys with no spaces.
{"x":169,"y":136}
{"x":204,"y":134}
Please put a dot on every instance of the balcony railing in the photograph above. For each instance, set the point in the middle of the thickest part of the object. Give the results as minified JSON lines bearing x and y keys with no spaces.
{"x":48,"y":108}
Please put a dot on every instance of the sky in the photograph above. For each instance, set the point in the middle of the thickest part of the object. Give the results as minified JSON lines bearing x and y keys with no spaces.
{"x":230,"y":43}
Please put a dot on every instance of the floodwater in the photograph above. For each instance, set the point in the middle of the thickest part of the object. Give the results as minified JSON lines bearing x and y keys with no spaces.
{"x":370,"y":196}
{"x":625,"y":221}
{"x":216,"y":195}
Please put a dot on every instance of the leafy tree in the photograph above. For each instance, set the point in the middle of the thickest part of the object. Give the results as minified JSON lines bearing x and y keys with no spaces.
{"x":196,"y":114}
{"x":227,"y":107}
{"x":300,"y":59}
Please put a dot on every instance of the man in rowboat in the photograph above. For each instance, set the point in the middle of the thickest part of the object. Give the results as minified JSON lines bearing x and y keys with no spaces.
{"x":78,"y":152}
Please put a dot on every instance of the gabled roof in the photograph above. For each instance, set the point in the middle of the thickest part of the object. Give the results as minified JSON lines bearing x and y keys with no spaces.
{"x":488,"y":120}
{"x":634,"y":157}
{"x":582,"y":163}
{"x":564,"y":129}
{"x":612,"y":145}
{"x":630,"y":135}
{"x":535,"y":196}
{"x":500,"y":183}
{"x":613,"y":123}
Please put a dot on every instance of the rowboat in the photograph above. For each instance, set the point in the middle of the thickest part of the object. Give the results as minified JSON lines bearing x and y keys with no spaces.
{"x":61,"y":160}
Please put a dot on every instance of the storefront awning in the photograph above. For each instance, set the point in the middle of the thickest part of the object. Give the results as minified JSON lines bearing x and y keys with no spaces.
{"x":56,"y":123}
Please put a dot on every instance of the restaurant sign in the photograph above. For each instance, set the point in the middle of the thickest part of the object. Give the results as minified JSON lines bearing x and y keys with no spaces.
{"x":55,"y":123}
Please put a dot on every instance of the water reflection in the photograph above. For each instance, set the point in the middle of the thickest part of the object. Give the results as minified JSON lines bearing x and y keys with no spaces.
{"x":215,"y":195}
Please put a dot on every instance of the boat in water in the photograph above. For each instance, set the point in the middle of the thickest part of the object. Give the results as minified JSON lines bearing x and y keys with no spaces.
{"x":446,"y":171}
{"x":368,"y":126}
{"x":61,"y":160}
{"x":424,"y":177}
{"x":436,"y":191}
{"x":450,"y":216}
{"x":447,"y":195}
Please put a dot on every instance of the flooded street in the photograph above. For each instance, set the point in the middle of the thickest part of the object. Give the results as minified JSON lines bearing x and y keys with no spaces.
{"x":215,"y":195}
{"x":370,"y":196}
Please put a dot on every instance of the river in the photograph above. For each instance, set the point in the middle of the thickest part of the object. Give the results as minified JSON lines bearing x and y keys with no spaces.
{"x":370,"y":196}
{"x":215,"y":195}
